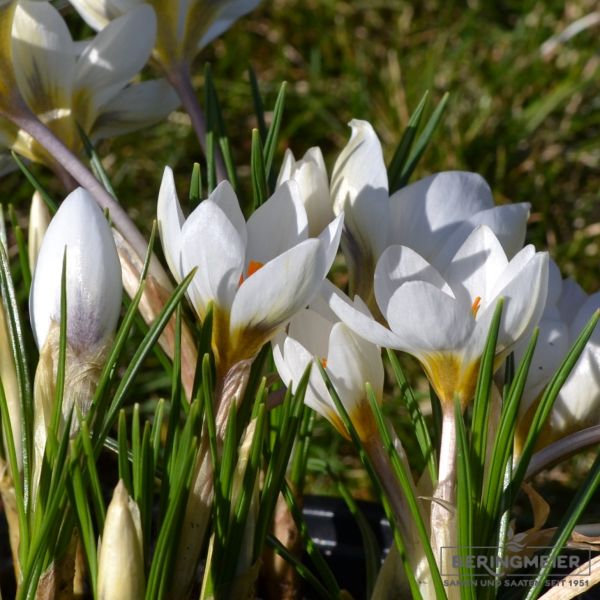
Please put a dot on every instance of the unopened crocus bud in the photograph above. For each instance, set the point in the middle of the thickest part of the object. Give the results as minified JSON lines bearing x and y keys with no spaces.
{"x":39,"y":219}
{"x":80,"y":232}
{"x":121,"y":554}
{"x":311,"y":176}
{"x":93,"y":275}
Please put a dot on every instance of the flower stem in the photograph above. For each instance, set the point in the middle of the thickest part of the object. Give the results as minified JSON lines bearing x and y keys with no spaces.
{"x":76,"y":169}
{"x":443,"y":507}
{"x":179,"y":77}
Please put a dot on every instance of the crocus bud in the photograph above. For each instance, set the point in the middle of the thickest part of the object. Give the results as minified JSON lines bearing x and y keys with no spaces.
{"x":311,"y":176}
{"x":80,"y":232}
{"x":121,"y":554}
{"x":39,"y":219}
{"x":93,"y":275}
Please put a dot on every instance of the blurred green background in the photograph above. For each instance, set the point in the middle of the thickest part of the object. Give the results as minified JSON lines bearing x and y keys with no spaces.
{"x":526,"y":119}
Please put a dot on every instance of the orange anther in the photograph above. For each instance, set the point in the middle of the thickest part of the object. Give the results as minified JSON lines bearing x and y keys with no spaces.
{"x":253,"y":266}
{"x":324,"y":363}
{"x":475,"y":306}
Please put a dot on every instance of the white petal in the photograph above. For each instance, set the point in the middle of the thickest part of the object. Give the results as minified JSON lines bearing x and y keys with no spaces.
{"x":329,"y":240}
{"x":224,"y":197}
{"x":474,"y":269}
{"x":524,"y":300}
{"x":311,"y":330}
{"x":271,"y":296}
{"x":578,"y":402}
{"x":287,"y":167}
{"x":43,"y":58}
{"x":170,"y":221}
{"x":425,"y":213}
{"x":115,"y":55}
{"x":572,"y":298}
{"x":139,"y":105}
{"x":550,"y":350}
{"x":213,"y":244}
{"x":94,"y":287}
{"x":311,"y":176}
{"x":362,"y":324}
{"x":508,"y":223}
{"x":230,"y":13}
{"x":583,"y":315}
{"x":359,"y":187}
{"x":397,"y":265}
{"x":277,"y":225}
{"x":352,"y":362}
{"x":98,"y":13}
{"x":426,"y":319}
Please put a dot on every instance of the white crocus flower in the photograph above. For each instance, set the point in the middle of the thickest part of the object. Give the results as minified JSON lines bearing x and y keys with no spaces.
{"x":184,"y":26}
{"x":432,"y":216}
{"x":578,"y":401}
{"x":121,"y":551}
{"x":443,"y":317}
{"x":256,"y":274}
{"x":311,"y":176}
{"x":350,"y":361}
{"x":66,"y":87}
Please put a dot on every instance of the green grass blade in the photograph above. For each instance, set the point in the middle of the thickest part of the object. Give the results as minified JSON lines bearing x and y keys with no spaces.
{"x":95,"y":162}
{"x":406,"y":142}
{"x":545,"y":406}
{"x":259,"y":109}
{"x":481,"y":402}
{"x":273,"y":135}
{"x":50,"y":203}
{"x":18,"y":345}
{"x":404,"y":477}
{"x":464,"y":504}
{"x":260,"y":191}
{"x":494,"y":485}
{"x":195,"y":195}
{"x":416,"y":417}
{"x":572,"y":516}
{"x":302,"y":570}
{"x":422,"y":142}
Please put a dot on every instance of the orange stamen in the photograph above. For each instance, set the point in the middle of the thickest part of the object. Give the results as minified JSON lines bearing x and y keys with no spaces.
{"x":475,"y":306}
{"x":253,"y":266}
{"x":324,"y":363}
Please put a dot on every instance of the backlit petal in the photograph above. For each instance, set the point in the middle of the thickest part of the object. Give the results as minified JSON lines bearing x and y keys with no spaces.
{"x":170,"y":223}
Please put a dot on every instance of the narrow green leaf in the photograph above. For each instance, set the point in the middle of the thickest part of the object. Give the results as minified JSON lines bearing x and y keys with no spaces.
{"x":567,"y":524}
{"x":123,"y":453}
{"x":50,"y":203}
{"x":481,"y":402}
{"x":464,"y":504}
{"x":402,"y":151}
{"x":195,"y":186}
{"x":416,"y":417}
{"x":273,"y":135}
{"x":501,"y":452}
{"x":422,"y":142}
{"x":551,"y":392}
{"x":259,"y":109}
{"x":302,"y":571}
{"x":95,"y":162}
{"x":257,"y":167}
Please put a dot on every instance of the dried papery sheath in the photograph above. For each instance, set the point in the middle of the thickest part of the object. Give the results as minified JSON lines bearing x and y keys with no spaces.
{"x":39,"y":219}
{"x":121,"y":554}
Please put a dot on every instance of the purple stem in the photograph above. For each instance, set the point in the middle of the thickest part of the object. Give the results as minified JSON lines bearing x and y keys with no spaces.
{"x":179,"y":77}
